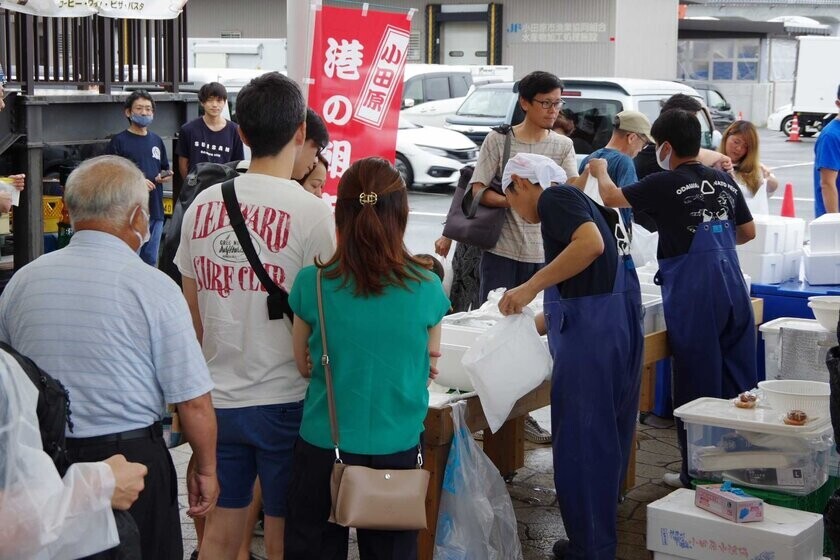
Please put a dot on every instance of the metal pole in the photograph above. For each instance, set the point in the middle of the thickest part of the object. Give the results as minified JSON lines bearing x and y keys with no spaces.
{"x":300,"y":22}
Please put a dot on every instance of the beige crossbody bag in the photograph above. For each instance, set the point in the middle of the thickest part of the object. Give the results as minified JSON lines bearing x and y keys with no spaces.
{"x":365,"y":498}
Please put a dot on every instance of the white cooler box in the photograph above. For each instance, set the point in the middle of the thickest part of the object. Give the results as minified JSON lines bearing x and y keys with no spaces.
{"x":654,"y":313}
{"x":821,"y":268}
{"x":824,"y":233}
{"x":678,"y":529}
{"x":795,"y":349}
{"x":770,"y":235}
{"x":754,"y":447}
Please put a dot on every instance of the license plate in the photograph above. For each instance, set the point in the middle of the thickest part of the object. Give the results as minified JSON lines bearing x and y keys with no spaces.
{"x":167,"y":206}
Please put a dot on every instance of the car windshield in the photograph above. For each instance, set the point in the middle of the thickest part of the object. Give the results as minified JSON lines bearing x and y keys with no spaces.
{"x":593,"y":122}
{"x":486,"y":102}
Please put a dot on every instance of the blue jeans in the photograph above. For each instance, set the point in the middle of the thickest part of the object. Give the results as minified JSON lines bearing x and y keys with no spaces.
{"x":149,"y":251}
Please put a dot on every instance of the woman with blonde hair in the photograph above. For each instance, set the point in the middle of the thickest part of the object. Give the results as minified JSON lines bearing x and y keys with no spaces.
{"x":740,"y":144}
{"x":381,"y":312}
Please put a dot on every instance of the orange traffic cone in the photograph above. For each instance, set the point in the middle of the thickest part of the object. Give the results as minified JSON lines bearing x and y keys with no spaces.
{"x":788,"y":210}
{"x":740,"y":116}
{"x":794,"y":130}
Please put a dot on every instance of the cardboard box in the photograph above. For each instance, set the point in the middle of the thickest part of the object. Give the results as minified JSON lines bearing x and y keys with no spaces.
{"x":729,"y":505}
{"x":677,"y":527}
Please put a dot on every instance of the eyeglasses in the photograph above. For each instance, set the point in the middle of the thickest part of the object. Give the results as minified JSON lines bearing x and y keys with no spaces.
{"x":548,"y":104}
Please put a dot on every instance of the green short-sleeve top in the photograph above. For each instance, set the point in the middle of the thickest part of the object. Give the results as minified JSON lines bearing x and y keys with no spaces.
{"x":380,"y":361}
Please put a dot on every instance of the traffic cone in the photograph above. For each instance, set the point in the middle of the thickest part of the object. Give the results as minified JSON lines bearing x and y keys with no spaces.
{"x":794,"y":130}
{"x":788,"y":210}
{"x":740,"y":116}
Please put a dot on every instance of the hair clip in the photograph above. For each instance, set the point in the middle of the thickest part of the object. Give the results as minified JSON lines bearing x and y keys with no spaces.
{"x":368,"y":198}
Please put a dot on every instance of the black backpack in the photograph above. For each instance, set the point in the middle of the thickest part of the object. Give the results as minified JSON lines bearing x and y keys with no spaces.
{"x":205,"y":175}
{"x":53,"y":409}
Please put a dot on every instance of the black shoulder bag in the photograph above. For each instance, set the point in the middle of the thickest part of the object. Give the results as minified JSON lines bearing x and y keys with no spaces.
{"x":278,"y":299}
{"x":467,"y":220}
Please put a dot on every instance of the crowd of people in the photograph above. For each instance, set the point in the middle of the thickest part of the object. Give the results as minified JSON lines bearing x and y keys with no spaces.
{"x":268,"y":271}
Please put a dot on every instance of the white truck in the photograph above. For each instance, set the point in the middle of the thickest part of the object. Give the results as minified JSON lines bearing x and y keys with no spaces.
{"x":815,"y":88}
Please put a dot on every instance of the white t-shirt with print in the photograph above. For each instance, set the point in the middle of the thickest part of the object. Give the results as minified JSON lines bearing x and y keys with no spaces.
{"x":250,"y":357}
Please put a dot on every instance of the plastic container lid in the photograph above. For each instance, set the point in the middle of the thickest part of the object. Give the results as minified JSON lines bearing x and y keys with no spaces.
{"x":795,"y":323}
{"x":722,"y":413}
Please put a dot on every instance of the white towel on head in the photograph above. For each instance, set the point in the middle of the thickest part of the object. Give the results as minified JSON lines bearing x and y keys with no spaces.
{"x":538,"y":169}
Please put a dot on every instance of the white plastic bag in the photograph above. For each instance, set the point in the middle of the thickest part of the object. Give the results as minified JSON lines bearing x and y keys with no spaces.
{"x":505,"y":363}
{"x":476,"y":520}
{"x":643,"y":246}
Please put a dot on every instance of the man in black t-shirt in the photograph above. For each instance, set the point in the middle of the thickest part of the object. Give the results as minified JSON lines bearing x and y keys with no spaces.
{"x":701,"y":215}
{"x":591,"y":298}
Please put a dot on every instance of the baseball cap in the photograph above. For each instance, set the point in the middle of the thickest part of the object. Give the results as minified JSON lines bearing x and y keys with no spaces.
{"x":633,"y":121}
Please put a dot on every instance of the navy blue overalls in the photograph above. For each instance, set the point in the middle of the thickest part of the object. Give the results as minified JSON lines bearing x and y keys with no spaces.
{"x":596,"y":342}
{"x":708,"y":315}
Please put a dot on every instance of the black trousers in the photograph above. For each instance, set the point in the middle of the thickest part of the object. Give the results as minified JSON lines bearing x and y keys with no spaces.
{"x":156,"y":510}
{"x":309,"y":536}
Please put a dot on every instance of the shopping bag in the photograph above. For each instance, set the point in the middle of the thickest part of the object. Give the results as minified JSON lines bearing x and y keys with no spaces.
{"x":505,"y":363}
{"x":476,"y":519}
{"x":643,"y":245}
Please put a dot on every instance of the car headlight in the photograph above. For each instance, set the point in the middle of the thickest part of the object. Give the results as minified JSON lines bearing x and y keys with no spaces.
{"x":435,"y":151}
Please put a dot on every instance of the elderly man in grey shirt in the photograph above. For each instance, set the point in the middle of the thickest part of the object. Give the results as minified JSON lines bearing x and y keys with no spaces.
{"x":118,"y":334}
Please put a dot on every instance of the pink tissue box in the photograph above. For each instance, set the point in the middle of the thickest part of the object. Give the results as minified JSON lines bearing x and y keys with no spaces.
{"x":740,"y":509}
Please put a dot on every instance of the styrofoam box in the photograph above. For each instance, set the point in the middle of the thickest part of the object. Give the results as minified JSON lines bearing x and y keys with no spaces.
{"x":821,"y":268}
{"x":654,"y":313}
{"x":754,"y":447}
{"x":770,"y":234}
{"x":762,"y":268}
{"x":675,"y":526}
{"x":455,"y":340}
{"x":825,"y":234}
{"x":770,"y":332}
{"x":791,"y":264}
{"x":794,"y":233}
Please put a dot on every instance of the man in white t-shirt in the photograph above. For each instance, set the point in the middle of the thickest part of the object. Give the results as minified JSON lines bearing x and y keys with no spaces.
{"x":258,"y":392}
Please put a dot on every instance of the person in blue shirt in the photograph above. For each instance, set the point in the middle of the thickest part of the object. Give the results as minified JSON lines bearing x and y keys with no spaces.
{"x":827,"y":165}
{"x":148,"y":152}
{"x":631,"y":133}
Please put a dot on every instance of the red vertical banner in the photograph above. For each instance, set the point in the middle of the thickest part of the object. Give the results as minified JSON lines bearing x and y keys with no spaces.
{"x":358,"y":59}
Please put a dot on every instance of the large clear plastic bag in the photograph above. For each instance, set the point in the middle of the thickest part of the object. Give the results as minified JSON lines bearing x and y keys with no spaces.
{"x":476,"y":520}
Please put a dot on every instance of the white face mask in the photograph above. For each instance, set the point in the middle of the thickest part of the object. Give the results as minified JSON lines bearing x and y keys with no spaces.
{"x":664,"y":163}
{"x":142,"y":238}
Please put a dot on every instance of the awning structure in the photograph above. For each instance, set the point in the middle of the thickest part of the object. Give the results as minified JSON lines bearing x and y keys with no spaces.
{"x":120,"y":9}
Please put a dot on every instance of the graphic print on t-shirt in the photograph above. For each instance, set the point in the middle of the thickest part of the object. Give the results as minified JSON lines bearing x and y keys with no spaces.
{"x":227,"y":268}
{"x":716,"y":202}
{"x":213,"y":152}
{"x":156,"y":152}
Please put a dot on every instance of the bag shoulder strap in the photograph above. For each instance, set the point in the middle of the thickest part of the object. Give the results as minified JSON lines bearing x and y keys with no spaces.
{"x":237,"y":221}
{"x":506,"y":152}
{"x":325,"y":361}
{"x":471,"y":209}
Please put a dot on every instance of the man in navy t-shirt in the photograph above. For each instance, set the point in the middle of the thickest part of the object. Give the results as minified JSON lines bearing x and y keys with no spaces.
{"x":827,"y":166}
{"x":593,"y":319}
{"x":148,"y":152}
{"x":211,"y":137}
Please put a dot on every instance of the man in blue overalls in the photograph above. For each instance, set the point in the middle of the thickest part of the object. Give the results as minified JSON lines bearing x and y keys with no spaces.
{"x":701,"y":215}
{"x":593,"y":314}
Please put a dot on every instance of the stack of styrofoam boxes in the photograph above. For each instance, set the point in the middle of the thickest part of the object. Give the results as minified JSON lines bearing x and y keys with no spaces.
{"x":822,"y":255}
{"x":651,"y":298}
{"x":805,"y":342}
{"x":677,"y":529}
{"x":775,"y":255}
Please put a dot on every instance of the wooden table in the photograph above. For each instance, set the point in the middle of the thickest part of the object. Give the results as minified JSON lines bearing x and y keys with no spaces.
{"x":506,"y":448}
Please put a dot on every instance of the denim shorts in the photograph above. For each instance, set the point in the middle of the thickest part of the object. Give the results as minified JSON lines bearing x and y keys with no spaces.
{"x":256,"y":440}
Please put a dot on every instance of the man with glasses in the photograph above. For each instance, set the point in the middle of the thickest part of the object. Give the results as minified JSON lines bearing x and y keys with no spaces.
{"x":518,"y":254}
{"x":317,"y":138}
{"x":148,"y":152}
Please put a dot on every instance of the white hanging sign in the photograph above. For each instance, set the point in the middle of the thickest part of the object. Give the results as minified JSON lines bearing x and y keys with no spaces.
{"x":127,"y":9}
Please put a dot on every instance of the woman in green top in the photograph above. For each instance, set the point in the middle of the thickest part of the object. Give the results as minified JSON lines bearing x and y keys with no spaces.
{"x":382,"y":311}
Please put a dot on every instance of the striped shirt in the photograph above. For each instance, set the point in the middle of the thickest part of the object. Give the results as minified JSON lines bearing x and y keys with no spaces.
{"x":115,"y":331}
{"x":520,"y":240}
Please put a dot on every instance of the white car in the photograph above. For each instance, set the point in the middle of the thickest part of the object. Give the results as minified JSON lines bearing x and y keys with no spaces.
{"x":782,"y":119}
{"x":428,"y":155}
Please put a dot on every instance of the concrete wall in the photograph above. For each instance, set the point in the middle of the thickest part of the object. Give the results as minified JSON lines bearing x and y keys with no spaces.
{"x":646,"y":39}
{"x":623,"y":48}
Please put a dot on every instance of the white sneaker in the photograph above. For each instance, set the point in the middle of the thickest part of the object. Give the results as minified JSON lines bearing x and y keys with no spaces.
{"x":536,"y":433}
{"x":673,"y":480}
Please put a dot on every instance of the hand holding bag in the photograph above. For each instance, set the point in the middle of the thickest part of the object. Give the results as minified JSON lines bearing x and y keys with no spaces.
{"x":365,"y":498}
{"x":468,"y":221}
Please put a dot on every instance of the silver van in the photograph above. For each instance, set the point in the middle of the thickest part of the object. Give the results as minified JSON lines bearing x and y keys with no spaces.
{"x":593,"y":102}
